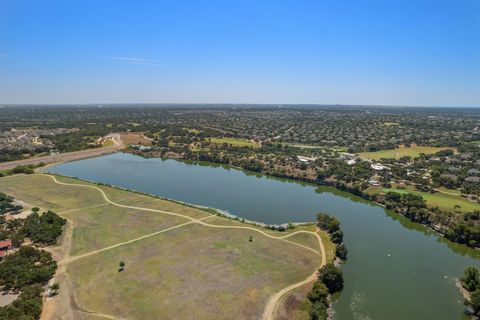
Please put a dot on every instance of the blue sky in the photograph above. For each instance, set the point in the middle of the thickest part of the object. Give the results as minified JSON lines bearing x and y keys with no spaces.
{"x":405,"y":52}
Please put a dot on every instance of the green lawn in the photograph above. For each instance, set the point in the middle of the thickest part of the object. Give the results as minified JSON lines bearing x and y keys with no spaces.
{"x":444,"y":201}
{"x":192,"y":130}
{"x":413,"y":151}
{"x":234,"y":142}
{"x":108,"y":143}
{"x":191,"y":271}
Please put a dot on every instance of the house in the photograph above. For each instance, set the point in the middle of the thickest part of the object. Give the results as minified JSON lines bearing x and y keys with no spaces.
{"x":378,"y":166}
{"x":374,"y":182}
{"x":351,"y":162}
{"x":473,"y":179}
{"x":473,"y":172}
{"x":466,"y":156}
{"x":454,"y":169}
{"x":449,"y":176}
{"x":5,"y":245}
{"x":348,"y":156}
{"x":305,"y":160}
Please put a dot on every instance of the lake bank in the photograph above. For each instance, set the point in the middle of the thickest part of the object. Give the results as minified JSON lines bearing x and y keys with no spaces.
{"x":389,"y":257}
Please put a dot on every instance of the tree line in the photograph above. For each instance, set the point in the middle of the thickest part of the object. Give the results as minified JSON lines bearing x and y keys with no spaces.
{"x":330,"y":277}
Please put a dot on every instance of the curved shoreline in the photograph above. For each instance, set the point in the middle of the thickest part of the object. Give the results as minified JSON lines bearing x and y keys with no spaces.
{"x":273,"y":301}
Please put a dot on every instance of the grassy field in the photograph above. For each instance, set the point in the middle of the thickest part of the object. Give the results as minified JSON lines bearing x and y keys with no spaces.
{"x":306,"y":146}
{"x":413,"y":151}
{"x":192,"y":130}
{"x":108,"y":143}
{"x":389,"y":124}
{"x":234,"y":142}
{"x":193,"y":271}
{"x":135,"y":138}
{"x":443,"y":201}
{"x":294,"y":306}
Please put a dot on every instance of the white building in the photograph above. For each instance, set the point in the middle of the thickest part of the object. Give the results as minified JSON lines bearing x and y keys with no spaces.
{"x":378,"y":167}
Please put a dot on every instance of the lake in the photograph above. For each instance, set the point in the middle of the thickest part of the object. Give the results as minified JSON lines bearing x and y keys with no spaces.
{"x":395,"y":269}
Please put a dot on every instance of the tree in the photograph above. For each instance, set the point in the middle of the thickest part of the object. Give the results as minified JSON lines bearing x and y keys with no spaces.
{"x":332,"y":277}
{"x":337,"y":237}
{"x":318,"y":312}
{"x":319,"y":292}
{"x":54,"y":288}
{"x":471,"y":279}
{"x":327,"y":223}
{"x":341,"y":251}
{"x":475,"y":302}
{"x":45,"y":228}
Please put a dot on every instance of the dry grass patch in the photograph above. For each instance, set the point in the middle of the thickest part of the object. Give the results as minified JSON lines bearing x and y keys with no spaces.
{"x":100,"y":227}
{"x":190,"y":272}
{"x":135,"y":138}
{"x":42,"y":191}
{"x":413,"y":151}
{"x":193,"y":271}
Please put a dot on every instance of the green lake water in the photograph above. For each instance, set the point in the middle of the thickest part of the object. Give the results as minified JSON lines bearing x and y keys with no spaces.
{"x":395,"y":269}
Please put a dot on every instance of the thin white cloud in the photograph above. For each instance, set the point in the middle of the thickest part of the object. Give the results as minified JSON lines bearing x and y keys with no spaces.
{"x":142,"y":61}
{"x":3,"y":54}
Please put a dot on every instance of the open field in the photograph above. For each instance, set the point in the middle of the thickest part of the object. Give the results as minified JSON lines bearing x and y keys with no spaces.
{"x":444,"y":201}
{"x":180,"y":262}
{"x":135,"y":138}
{"x":413,"y":151}
{"x":293,"y":306}
{"x":234,"y":142}
{"x":306,"y":146}
{"x":108,"y":143}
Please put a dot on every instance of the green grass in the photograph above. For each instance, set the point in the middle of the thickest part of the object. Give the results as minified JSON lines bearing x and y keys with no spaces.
{"x":306,"y":146}
{"x":192,"y":270}
{"x":444,"y":201}
{"x":100,"y":227}
{"x":234,"y":142}
{"x":192,"y":130}
{"x":108,"y":143}
{"x":187,"y":272}
{"x":330,"y":247}
{"x":413,"y":151}
{"x":40,"y":191}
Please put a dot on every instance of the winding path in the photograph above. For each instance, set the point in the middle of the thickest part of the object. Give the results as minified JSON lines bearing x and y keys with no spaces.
{"x":273,"y":300}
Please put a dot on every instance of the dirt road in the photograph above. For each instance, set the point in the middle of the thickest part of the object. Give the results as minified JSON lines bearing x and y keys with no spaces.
{"x":273,"y":300}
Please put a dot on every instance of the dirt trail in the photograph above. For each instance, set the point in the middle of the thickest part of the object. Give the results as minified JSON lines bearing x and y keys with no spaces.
{"x":273,"y":300}
{"x":272,"y":303}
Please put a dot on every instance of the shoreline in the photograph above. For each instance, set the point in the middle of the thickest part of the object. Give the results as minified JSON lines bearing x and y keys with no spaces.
{"x":331,"y":184}
{"x":211,"y":210}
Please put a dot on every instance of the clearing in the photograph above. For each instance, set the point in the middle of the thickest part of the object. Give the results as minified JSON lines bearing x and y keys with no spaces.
{"x":234,"y":142}
{"x":135,"y":138}
{"x":180,"y":261}
{"x":413,"y":151}
{"x":444,"y":201}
